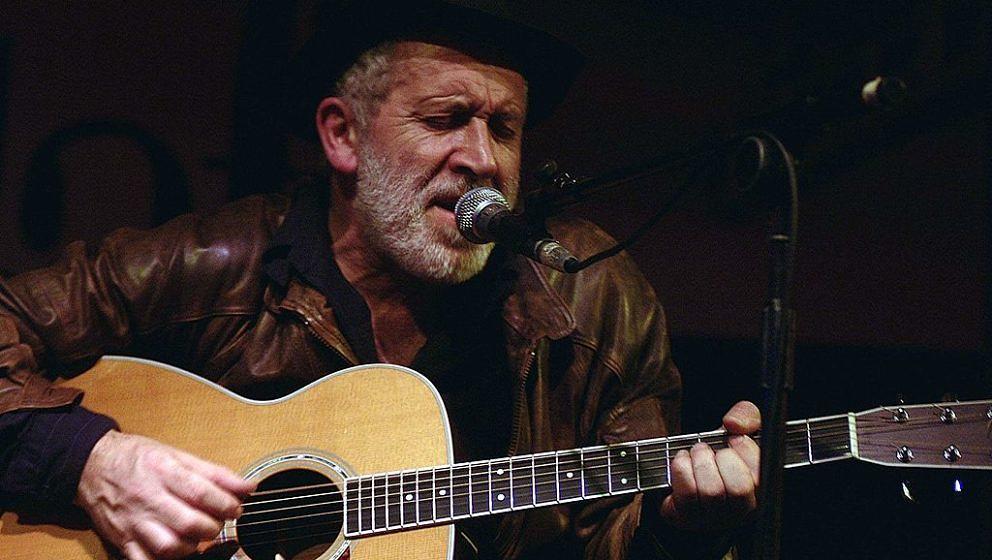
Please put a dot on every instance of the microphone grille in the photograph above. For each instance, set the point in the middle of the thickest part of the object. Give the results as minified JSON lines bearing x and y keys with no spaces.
{"x":468,"y":207}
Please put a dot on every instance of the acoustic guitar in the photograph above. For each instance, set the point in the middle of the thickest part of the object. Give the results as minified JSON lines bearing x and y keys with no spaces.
{"x":360,"y":462}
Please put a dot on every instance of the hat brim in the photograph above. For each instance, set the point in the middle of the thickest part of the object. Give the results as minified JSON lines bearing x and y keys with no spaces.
{"x":548,"y":64}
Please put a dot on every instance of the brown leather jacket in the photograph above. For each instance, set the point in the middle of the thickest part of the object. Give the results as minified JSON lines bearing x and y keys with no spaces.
{"x":590,"y":351}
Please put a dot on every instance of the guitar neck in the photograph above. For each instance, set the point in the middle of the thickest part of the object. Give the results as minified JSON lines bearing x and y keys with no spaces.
{"x":389,"y":502}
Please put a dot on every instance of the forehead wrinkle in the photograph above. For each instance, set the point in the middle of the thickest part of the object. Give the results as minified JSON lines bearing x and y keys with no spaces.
{"x":490,"y":80}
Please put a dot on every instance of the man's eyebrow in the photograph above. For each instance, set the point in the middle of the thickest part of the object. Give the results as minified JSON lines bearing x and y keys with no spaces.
{"x":508,"y":110}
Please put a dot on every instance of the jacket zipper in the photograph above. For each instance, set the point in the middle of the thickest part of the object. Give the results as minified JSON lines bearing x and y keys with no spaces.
{"x":327,"y":344}
{"x":520,"y":400}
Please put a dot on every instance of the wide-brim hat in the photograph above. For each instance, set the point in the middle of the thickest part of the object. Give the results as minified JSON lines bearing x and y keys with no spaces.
{"x":491,"y":31}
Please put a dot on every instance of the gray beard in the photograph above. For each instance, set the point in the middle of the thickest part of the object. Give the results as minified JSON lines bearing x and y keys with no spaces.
{"x":391,"y":201}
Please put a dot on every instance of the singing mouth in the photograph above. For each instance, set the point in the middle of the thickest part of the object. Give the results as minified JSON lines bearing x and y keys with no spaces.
{"x":446,"y":201}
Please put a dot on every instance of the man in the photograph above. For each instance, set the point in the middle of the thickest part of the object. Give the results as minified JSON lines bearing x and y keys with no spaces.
{"x":268,"y":295}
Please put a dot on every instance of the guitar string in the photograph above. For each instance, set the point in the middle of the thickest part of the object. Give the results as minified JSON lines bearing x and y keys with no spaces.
{"x":462,"y":479}
{"x":471,"y":495}
{"x":534,"y":483}
{"x":645,"y":447}
{"x":488,"y":464}
{"x":464,"y":474}
{"x":336,"y":518}
{"x":629,"y":469}
{"x":371,"y":517}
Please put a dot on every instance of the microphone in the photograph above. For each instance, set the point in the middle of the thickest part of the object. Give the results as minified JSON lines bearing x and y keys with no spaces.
{"x":484,"y":216}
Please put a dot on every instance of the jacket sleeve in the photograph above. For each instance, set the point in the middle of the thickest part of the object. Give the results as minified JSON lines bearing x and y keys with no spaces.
{"x":59,"y":320}
{"x":53,"y":321}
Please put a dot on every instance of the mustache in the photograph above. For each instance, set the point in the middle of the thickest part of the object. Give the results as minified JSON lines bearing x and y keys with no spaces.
{"x":403,"y":175}
{"x":454,"y":188}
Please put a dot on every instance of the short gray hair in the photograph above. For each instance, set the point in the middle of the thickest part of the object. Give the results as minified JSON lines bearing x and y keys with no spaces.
{"x":368,"y":82}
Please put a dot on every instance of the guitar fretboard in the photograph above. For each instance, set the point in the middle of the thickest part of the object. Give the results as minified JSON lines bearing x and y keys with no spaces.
{"x":386,"y":502}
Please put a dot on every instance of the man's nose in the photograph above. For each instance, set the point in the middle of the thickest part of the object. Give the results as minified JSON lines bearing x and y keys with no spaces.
{"x":475,"y":155}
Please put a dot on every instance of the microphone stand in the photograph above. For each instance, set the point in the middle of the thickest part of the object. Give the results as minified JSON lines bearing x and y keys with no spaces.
{"x":777,"y":361}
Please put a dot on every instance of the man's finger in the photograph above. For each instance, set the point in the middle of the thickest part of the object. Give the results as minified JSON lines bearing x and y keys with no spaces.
{"x":160,"y":542}
{"x":134,"y":551}
{"x":203,"y":494}
{"x":685,"y":500}
{"x":736,"y":480}
{"x":221,"y":476}
{"x":742,"y":418}
{"x":187,"y":522}
{"x":709,"y":483}
{"x":750,"y":453}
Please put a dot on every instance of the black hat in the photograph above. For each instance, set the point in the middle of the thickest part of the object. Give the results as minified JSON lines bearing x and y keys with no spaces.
{"x":493,"y":33}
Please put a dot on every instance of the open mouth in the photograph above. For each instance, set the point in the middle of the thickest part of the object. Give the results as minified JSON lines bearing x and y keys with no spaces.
{"x":446,"y":201}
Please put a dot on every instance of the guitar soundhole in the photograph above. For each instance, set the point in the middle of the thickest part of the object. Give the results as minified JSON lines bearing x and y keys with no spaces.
{"x":295,"y":513}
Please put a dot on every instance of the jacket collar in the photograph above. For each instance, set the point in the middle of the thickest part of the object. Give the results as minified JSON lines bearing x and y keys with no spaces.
{"x":534,"y":310}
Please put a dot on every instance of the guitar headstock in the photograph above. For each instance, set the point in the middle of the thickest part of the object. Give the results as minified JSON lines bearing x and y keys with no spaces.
{"x":949,"y":435}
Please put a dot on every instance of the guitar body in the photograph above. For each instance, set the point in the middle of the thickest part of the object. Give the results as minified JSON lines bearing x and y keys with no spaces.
{"x":365,"y":419}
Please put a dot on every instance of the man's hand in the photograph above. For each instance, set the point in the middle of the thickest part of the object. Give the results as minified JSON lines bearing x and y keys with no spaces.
{"x":153,"y":501}
{"x":715,"y":491}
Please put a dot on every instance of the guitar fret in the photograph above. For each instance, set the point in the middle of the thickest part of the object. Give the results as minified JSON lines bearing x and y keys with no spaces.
{"x":479,"y":481}
{"x":351,"y":509}
{"x":522,"y":486}
{"x":358,"y":510}
{"x":569,"y":475}
{"x":378,"y":502}
{"x":443,"y":508}
{"x":668,"y":462}
{"x":394,"y":500}
{"x":511,"y":483}
{"x":461,"y":491}
{"x":434,"y":493}
{"x":637,"y":464}
{"x":365,"y":505}
{"x":595,"y":471}
{"x":545,"y":478}
{"x":408,"y":505}
{"x":489,"y":490}
{"x":582,"y":472}
{"x":500,"y":485}
{"x":533,"y":481}
{"x":623,"y":469}
{"x":609,"y":473}
{"x":425,"y":496}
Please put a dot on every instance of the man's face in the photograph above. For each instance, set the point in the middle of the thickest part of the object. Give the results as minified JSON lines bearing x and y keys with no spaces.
{"x":450,"y":123}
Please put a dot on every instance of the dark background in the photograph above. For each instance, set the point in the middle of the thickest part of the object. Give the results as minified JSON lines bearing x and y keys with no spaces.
{"x":124,"y":114}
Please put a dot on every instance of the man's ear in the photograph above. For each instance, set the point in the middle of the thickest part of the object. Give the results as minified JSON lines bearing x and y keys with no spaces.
{"x":338,"y":135}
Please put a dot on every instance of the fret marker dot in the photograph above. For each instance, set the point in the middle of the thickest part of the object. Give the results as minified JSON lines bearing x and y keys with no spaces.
{"x":569,"y":475}
{"x":623,"y":481}
{"x":499,"y":472}
{"x":443,"y":492}
{"x":409,"y":497}
{"x":623,"y":453}
{"x":500,"y":497}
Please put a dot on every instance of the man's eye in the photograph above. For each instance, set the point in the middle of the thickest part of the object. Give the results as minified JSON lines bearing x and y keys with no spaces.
{"x":445,"y":122}
{"x":502,"y":129}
